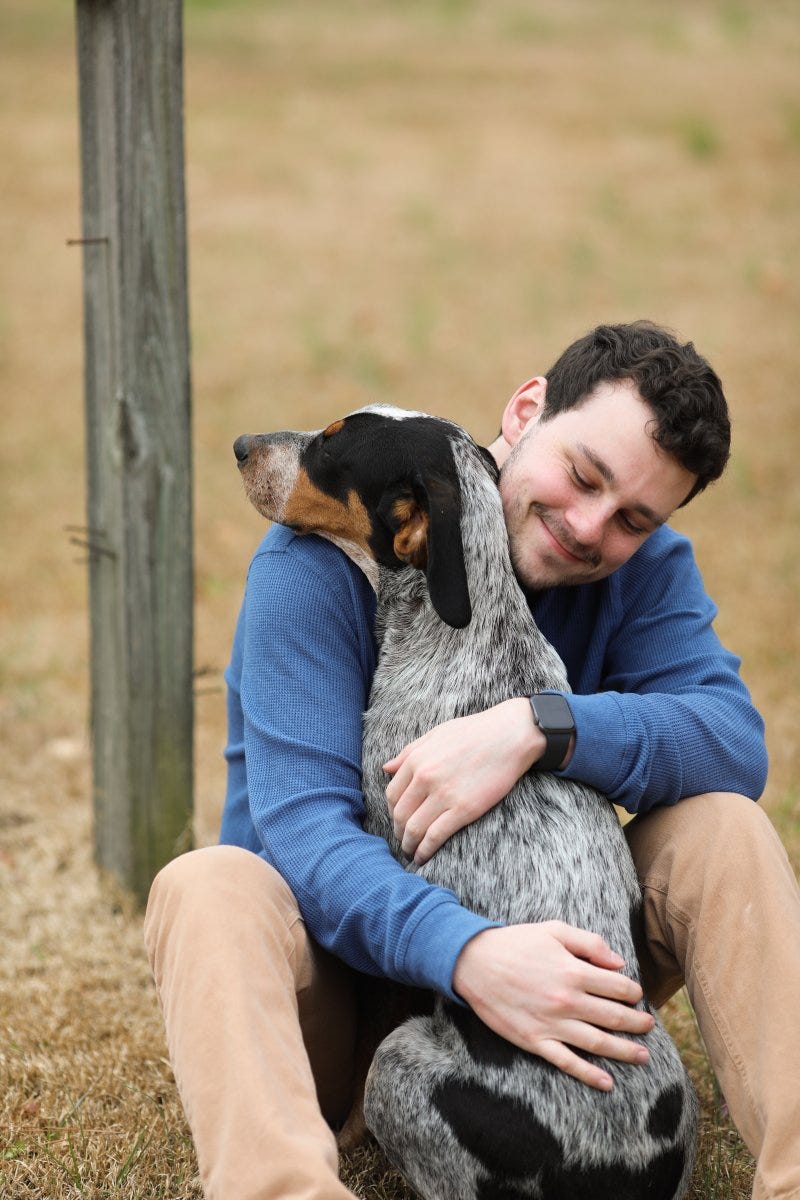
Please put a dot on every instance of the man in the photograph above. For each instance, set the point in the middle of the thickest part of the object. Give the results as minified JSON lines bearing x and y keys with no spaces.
{"x":627,"y":426}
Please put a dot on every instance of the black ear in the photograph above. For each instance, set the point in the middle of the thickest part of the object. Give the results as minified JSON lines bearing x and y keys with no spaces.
{"x":425,"y":519}
{"x":447,"y":573}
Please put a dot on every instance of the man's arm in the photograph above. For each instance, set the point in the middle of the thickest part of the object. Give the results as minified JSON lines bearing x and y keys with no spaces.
{"x":304,"y":670}
{"x":670,"y":716}
{"x":660,"y":709}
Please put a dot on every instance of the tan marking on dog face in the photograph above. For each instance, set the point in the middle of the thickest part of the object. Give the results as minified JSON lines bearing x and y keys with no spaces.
{"x":268,"y":476}
{"x":313,"y":511}
{"x":333,"y":428}
{"x":411,"y":539}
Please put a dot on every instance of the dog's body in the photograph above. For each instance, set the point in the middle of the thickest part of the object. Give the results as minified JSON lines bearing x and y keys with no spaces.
{"x":461,"y":1112}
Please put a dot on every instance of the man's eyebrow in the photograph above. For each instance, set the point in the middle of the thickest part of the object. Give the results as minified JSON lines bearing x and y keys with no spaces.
{"x":601,"y":467}
{"x":604,"y":470}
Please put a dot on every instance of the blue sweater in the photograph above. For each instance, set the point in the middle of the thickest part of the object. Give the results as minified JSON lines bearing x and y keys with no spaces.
{"x":659,"y":708}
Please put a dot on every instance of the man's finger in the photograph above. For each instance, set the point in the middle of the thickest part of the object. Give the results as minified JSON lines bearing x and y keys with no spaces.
{"x":398,"y":786}
{"x":587,"y":945}
{"x":611,"y":985}
{"x":394,"y":763}
{"x":412,"y":802}
{"x":601,"y":1044}
{"x":401,"y":757}
{"x":411,"y":837}
{"x":435,"y":837}
{"x":572,"y":1064}
{"x":414,"y":819}
{"x":617,"y":1018}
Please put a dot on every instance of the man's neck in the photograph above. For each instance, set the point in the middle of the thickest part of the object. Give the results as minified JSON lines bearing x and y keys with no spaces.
{"x":499,"y":450}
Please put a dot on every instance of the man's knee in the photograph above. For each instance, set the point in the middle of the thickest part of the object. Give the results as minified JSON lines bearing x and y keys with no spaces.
{"x":698,"y":862}
{"x":730,"y":830}
{"x":212,"y":889}
{"x":198,"y":870}
{"x":714,"y":811}
{"x":699,"y":829}
{"x":195,"y":877}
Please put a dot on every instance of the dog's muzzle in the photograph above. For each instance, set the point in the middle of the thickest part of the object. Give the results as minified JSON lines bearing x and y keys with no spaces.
{"x":268,"y":464}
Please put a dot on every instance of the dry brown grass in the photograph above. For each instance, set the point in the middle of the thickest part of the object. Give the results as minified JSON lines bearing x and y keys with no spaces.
{"x":424,"y":203}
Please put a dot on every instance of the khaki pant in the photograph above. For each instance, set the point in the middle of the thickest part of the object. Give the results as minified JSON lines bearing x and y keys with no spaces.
{"x":260,"y":1020}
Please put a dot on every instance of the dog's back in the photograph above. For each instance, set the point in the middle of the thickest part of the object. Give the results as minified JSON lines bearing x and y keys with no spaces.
{"x":462,"y":1112}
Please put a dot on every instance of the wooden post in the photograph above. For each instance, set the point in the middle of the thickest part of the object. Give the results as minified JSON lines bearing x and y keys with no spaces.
{"x":130,"y":64}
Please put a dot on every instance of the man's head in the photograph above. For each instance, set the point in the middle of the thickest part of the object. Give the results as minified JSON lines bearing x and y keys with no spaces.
{"x":627,"y":426}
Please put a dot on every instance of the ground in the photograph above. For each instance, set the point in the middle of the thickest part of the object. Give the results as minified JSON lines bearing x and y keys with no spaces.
{"x":423,"y":204}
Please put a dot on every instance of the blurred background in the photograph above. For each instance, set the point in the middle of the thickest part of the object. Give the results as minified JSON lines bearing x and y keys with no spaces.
{"x":421,"y":203}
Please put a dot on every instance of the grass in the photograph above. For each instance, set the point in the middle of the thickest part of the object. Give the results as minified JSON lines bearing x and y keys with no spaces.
{"x":421,"y":203}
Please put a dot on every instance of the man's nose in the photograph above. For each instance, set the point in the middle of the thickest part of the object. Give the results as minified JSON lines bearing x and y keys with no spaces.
{"x":587,"y":522}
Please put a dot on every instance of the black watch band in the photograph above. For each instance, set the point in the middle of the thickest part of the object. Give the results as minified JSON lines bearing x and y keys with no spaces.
{"x":554,"y":717}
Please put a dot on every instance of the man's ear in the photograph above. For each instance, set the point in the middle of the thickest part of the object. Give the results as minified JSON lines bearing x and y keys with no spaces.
{"x":524,"y":406}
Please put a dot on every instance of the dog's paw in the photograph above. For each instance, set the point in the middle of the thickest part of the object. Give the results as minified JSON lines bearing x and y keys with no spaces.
{"x":354,"y":1131}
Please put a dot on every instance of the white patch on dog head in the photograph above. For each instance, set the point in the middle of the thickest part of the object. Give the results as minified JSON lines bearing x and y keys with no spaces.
{"x":391,"y":411}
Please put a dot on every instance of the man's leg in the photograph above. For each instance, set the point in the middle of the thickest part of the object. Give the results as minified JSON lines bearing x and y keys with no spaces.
{"x":722,"y":911}
{"x":236,"y":974}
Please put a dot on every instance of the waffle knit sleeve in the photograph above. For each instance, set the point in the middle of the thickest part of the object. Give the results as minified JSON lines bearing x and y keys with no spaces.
{"x":305,"y":661}
{"x":670,"y":716}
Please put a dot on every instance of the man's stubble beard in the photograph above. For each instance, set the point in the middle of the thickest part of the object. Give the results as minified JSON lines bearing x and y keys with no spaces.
{"x":516,"y":518}
{"x":530,"y":581}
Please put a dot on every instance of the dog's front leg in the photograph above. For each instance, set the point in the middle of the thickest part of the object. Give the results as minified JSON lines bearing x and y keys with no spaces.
{"x":382,"y":1006}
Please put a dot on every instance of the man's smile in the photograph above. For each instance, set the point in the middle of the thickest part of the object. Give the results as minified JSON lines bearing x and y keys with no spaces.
{"x":561,"y":543}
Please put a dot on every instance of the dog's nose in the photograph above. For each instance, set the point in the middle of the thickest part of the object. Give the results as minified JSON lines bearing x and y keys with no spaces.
{"x":241,"y":448}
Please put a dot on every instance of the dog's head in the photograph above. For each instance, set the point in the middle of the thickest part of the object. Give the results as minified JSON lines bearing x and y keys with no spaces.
{"x":382,"y":482}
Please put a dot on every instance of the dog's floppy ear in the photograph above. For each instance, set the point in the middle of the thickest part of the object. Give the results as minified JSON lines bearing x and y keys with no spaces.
{"x":447,"y":572}
{"x":426,"y":522}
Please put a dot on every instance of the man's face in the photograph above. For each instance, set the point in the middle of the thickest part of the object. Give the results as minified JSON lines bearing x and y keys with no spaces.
{"x":582,"y":491}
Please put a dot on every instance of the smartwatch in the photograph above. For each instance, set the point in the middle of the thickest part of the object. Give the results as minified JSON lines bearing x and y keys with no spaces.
{"x":554,"y":717}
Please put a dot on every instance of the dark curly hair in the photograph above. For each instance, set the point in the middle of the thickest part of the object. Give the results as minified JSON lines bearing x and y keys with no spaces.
{"x":690,"y":411}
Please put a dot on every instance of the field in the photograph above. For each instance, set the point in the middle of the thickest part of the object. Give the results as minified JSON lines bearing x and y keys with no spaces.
{"x":421,"y":203}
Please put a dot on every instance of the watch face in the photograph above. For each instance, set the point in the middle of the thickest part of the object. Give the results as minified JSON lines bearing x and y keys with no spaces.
{"x":553,"y":714}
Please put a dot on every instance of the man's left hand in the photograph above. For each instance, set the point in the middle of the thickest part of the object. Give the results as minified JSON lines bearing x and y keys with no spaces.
{"x":458,"y":771}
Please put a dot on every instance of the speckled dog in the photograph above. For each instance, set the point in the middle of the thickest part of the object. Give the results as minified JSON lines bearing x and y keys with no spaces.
{"x":461,"y":1112}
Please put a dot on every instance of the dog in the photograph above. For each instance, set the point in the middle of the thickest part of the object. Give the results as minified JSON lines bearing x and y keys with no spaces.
{"x":461,"y":1112}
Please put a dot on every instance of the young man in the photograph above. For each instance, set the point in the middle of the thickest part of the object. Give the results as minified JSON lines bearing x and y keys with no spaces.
{"x":627,"y":426}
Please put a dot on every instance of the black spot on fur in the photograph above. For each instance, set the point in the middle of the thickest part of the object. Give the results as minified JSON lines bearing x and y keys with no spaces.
{"x":503,"y":1135}
{"x":486,"y":1047}
{"x":489,"y":1189}
{"x":665,"y":1114}
{"x":513,"y":1146}
{"x":657,"y":1181}
{"x":636,"y":919}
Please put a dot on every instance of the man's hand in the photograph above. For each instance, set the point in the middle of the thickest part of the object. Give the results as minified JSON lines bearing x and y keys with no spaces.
{"x":451,"y":776}
{"x":550,"y":986}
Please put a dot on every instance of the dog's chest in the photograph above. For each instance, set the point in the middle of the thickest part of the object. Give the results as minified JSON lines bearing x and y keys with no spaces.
{"x":551,"y":848}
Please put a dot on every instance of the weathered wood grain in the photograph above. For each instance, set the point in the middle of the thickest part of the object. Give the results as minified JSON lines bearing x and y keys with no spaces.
{"x":138,"y":417}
